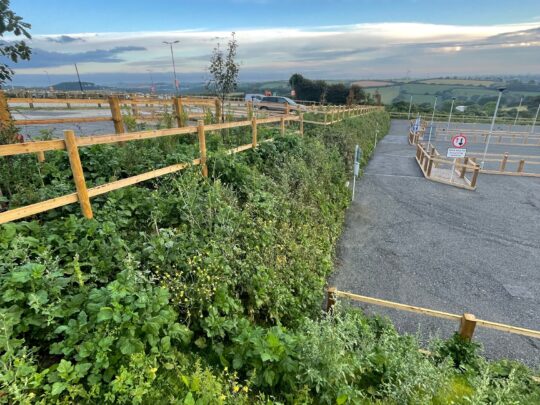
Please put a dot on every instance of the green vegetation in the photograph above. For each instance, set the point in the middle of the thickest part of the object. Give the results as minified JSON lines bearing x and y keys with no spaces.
{"x":188,"y":290}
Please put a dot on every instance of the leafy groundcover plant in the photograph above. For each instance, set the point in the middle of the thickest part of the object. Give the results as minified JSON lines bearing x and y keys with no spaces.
{"x":185,"y":290}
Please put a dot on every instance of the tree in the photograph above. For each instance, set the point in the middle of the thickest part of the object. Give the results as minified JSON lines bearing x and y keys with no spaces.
{"x":308,"y":90}
{"x":13,"y":50}
{"x":356,"y":95}
{"x":337,"y":94}
{"x":224,"y":71}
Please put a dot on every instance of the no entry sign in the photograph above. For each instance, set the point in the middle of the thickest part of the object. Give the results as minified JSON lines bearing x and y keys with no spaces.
{"x":459,"y":141}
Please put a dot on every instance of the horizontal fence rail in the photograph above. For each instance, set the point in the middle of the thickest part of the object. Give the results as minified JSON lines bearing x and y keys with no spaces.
{"x":468,"y":322}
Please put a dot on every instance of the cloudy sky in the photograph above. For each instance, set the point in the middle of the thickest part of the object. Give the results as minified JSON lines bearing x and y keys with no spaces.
{"x":121,"y":41}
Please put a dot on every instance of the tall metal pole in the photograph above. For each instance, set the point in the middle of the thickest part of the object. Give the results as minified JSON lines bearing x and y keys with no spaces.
{"x":48,"y":79}
{"x":79,"y":77}
{"x":431,"y":124}
{"x":535,"y":118}
{"x":492,"y":126}
{"x":152,"y":89}
{"x":450,"y":117}
{"x":173,"y":64}
{"x":517,"y":113}
{"x":410,"y":105}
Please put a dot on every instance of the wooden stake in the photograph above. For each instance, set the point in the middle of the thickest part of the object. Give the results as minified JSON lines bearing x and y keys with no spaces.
{"x":301,"y":124}
{"x":521,"y":166}
{"x":282,"y":125}
{"x":202,"y":147}
{"x":78,"y":174}
{"x":116,"y":114}
{"x":467,"y":326}
{"x":330,"y":298}
{"x":464,"y":168}
{"x":179,"y":111}
{"x":254,"y":132}
{"x":134,"y":110}
{"x":40,"y":156}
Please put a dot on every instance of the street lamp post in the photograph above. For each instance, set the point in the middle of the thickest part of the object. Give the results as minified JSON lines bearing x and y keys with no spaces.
{"x":517,"y":113}
{"x":431,"y":124}
{"x":173,"y":64}
{"x":48,"y":79}
{"x":152,"y":88}
{"x":410,"y":105}
{"x":501,"y":89}
{"x":450,"y":117}
{"x":535,"y":118}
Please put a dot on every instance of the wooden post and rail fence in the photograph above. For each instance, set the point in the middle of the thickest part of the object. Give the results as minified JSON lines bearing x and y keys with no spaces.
{"x":83,"y":194}
{"x":467,"y":322}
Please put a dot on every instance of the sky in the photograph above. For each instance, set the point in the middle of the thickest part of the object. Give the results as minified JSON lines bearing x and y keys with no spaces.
{"x":117,"y":41}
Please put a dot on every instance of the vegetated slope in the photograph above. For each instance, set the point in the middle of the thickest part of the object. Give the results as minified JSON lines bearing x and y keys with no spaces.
{"x":191,"y":290}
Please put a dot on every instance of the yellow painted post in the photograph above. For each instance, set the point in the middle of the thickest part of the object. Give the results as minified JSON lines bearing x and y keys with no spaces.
{"x":254,"y":132}
{"x":282,"y":126}
{"x":179,"y":111}
{"x":78,"y":174}
{"x":202,"y":147}
{"x":467,"y":326}
{"x":116,"y":114}
{"x":301,"y":124}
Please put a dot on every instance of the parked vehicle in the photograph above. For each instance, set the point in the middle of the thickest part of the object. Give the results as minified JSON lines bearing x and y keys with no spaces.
{"x":255,"y":98}
{"x":278,"y":103}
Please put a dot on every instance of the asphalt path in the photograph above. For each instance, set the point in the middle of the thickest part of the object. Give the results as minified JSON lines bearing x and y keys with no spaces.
{"x":423,"y":243}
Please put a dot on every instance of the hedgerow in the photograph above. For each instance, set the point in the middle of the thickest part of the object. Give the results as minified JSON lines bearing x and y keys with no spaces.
{"x":194,"y":291}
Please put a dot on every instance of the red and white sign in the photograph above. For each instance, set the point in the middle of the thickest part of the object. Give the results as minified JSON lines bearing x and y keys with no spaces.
{"x":459,"y":141}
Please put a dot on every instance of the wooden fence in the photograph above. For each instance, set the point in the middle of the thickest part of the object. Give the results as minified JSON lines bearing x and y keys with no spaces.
{"x":467,"y":321}
{"x":72,"y":143}
{"x":510,"y":164}
{"x":431,"y":163}
{"x":182,"y":108}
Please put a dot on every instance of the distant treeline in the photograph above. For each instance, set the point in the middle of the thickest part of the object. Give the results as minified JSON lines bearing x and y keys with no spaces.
{"x":321,"y":91}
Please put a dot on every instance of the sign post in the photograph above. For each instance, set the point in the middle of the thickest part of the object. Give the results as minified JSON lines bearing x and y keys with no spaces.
{"x":458,"y":151}
{"x":357,"y":157}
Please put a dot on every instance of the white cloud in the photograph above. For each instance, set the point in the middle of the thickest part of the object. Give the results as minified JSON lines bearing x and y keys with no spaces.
{"x":352,"y":51}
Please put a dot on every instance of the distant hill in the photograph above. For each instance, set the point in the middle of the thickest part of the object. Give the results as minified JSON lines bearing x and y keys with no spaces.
{"x":74,"y":86}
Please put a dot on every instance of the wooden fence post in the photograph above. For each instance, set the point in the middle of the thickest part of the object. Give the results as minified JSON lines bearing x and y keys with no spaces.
{"x":202,"y":146}
{"x":116,"y":114}
{"x":282,"y":126}
{"x":467,"y":326}
{"x":5,"y":116}
{"x":78,"y":174}
{"x":249,"y":105}
{"x":324,"y":109}
{"x":301,"y":124}
{"x":475,"y":173}
{"x":218,"y":109}
{"x":254,"y":132}
{"x":134,"y":109}
{"x":179,"y":111}
{"x":521,"y":166}
{"x":503,"y":162}
{"x":330,"y":299}
{"x":464,"y":168}
{"x":430,"y":162}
